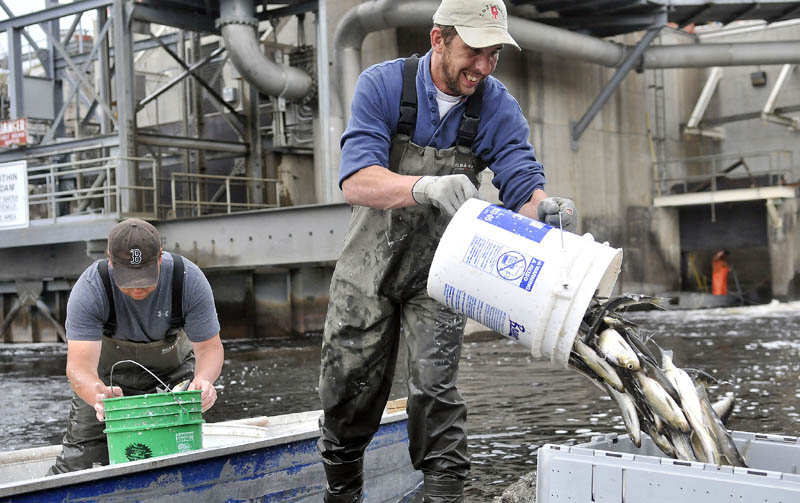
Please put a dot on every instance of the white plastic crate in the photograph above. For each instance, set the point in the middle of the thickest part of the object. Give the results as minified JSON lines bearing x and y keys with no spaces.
{"x":610,"y":469}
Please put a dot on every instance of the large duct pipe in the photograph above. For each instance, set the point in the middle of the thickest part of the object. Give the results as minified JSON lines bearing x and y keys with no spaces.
{"x":382,"y":14}
{"x":730,"y":54}
{"x":239,"y":30}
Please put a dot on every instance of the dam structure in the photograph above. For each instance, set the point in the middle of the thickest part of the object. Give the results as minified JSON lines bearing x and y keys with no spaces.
{"x":673,"y":125}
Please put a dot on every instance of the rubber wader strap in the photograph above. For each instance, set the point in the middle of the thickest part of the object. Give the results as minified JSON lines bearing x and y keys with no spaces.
{"x":468,"y":129}
{"x":176,"y":320}
{"x":408,"y":104}
{"x":110,"y":327}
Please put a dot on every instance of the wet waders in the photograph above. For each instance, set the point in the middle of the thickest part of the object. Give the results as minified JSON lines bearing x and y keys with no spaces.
{"x":377,"y":295}
{"x":172,"y":360}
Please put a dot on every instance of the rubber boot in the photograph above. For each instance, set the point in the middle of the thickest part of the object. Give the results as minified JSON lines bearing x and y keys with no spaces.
{"x":440,"y":488}
{"x":345,"y":481}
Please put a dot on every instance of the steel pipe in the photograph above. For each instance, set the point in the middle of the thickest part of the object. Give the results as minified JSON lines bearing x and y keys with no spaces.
{"x":238,"y":27}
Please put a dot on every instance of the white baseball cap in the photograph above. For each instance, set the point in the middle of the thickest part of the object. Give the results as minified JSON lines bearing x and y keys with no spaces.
{"x":479,"y":23}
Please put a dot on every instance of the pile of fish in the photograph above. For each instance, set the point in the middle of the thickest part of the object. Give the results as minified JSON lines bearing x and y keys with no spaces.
{"x":653,"y":394}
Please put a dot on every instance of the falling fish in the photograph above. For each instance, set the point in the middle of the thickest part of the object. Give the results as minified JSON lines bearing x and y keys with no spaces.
{"x":662,"y":403}
{"x":616,"y":350}
{"x":599,"y":365}
{"x":692,"y":409}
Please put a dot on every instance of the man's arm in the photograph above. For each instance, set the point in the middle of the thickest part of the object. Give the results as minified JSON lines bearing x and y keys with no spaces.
{"x":209,"y":356}
{"x":529,"y":209}
{"x":82,"y":360}
{"x":377,"y":187}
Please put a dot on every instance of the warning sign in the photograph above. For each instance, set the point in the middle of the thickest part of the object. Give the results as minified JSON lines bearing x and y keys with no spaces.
{"x":13,"y":132}
{"x":13,"y":195}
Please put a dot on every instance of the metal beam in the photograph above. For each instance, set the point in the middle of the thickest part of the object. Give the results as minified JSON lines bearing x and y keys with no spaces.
{"x":179,"y":18}
{"x":65,"y":147}
{"x":78,"y":74}
{"x":197,"y":78}
{"x":276,"y":237}
{"x":192,"y":143}
{"x":725,"y":196}
{"x":104,"y":74}
{"x":745,"y":116}
{"x":769,"y":106}
{"x":15,"y":74}
{"x":39,"y":52}
{"x":53,"y":13}
{"x":126,"y":111}
{"x":289,"y":10}
{"x":141,"y":45}
{"x":705,"y":97}
{"x":166,"y":87}
{"x":76,"y":86}
{"x":577,"y":128}
{"x":688,"y":19}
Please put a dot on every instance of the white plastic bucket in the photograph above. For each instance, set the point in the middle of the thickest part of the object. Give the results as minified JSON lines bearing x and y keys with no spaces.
{"x":512,"y":274}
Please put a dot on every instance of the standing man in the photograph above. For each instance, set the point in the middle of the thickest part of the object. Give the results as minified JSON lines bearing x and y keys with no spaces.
{"x":139,"y":304}
{"x":720,"y":268}
{"x":419,"y":132}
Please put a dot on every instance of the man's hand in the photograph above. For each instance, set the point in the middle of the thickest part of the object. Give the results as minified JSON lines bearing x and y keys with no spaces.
{"x":101,"y":393}
{"x":549,"y":209}
{"x":208,"y":393}
{"x":447,"y":192}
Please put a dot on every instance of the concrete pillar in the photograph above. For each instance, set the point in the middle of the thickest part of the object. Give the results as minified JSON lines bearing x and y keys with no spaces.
{"x":782,"y":230}
{"x":310,"y":287}
{"x":272,"y":305}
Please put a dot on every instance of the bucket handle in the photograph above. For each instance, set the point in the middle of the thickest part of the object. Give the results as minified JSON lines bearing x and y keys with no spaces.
{"x":111,"y":380}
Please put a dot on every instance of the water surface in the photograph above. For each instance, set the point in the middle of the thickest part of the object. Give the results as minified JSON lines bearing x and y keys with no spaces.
{"x":516,"y":404}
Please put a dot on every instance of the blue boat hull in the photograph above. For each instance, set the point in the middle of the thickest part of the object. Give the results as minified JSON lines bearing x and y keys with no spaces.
{"x":286,"y":470}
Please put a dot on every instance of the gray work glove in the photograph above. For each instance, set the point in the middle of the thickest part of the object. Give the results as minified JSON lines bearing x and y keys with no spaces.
{"x":550,"y":207}
{"x":446,"y":192}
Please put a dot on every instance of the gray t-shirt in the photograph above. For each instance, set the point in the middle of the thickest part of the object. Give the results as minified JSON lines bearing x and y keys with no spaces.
{"x":144,"y":320}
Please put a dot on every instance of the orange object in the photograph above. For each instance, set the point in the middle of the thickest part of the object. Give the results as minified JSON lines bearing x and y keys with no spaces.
{"x":719,"y":274}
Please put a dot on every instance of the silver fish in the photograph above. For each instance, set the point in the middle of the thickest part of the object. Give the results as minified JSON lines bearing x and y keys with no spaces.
{"x":662,"y":403}
{"x":729,"y":453}
{"x":692,"y":409}
{"x":661,"y":441}
{"x":598,"y":365}
{"x":615,"y":349}
{"x":724,"y":406}
{"x":683,"y":445}
{"x":629,"y":414}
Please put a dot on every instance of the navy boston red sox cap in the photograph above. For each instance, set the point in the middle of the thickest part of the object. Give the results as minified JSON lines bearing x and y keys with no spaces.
{"x":134,"y":248}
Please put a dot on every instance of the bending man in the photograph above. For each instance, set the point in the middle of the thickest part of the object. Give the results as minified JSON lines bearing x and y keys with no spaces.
{"x":140,"y":304}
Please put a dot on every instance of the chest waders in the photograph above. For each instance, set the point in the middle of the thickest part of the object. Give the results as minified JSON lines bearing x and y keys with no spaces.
{"x":378,"y":294}
{"x":171,"y":359}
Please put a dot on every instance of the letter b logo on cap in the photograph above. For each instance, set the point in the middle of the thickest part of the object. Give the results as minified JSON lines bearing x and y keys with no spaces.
{"x":136,"y":256}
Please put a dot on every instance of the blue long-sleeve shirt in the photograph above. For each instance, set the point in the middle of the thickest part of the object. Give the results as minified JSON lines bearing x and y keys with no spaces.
{"x":502,"y":136}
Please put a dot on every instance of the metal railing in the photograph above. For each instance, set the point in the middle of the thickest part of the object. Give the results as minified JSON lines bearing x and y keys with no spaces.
{"x":721,"y":171}
{"x":221,"y":201}
{"x":85,"y":187}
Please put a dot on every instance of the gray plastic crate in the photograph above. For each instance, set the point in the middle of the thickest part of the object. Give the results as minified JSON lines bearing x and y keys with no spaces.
{"x":610,"y":469}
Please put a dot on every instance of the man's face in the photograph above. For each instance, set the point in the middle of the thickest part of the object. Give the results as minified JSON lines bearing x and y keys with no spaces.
{"x":459,"y":67}
{"x":138,"y":293}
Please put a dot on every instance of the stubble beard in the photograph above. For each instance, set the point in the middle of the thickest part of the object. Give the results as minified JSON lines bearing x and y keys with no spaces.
{"x":450,"y":80}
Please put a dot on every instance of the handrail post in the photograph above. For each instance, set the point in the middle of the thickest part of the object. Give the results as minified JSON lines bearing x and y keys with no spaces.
{"x":172,"y":188}
{"x":53,"y":191}
{"x":228,"y":192}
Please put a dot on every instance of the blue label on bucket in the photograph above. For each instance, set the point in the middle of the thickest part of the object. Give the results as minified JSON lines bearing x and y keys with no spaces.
{"x":475,"y":308}
{"x":531,"y":273}
{"x":511,"y":265}
{"x":514,"y":222}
